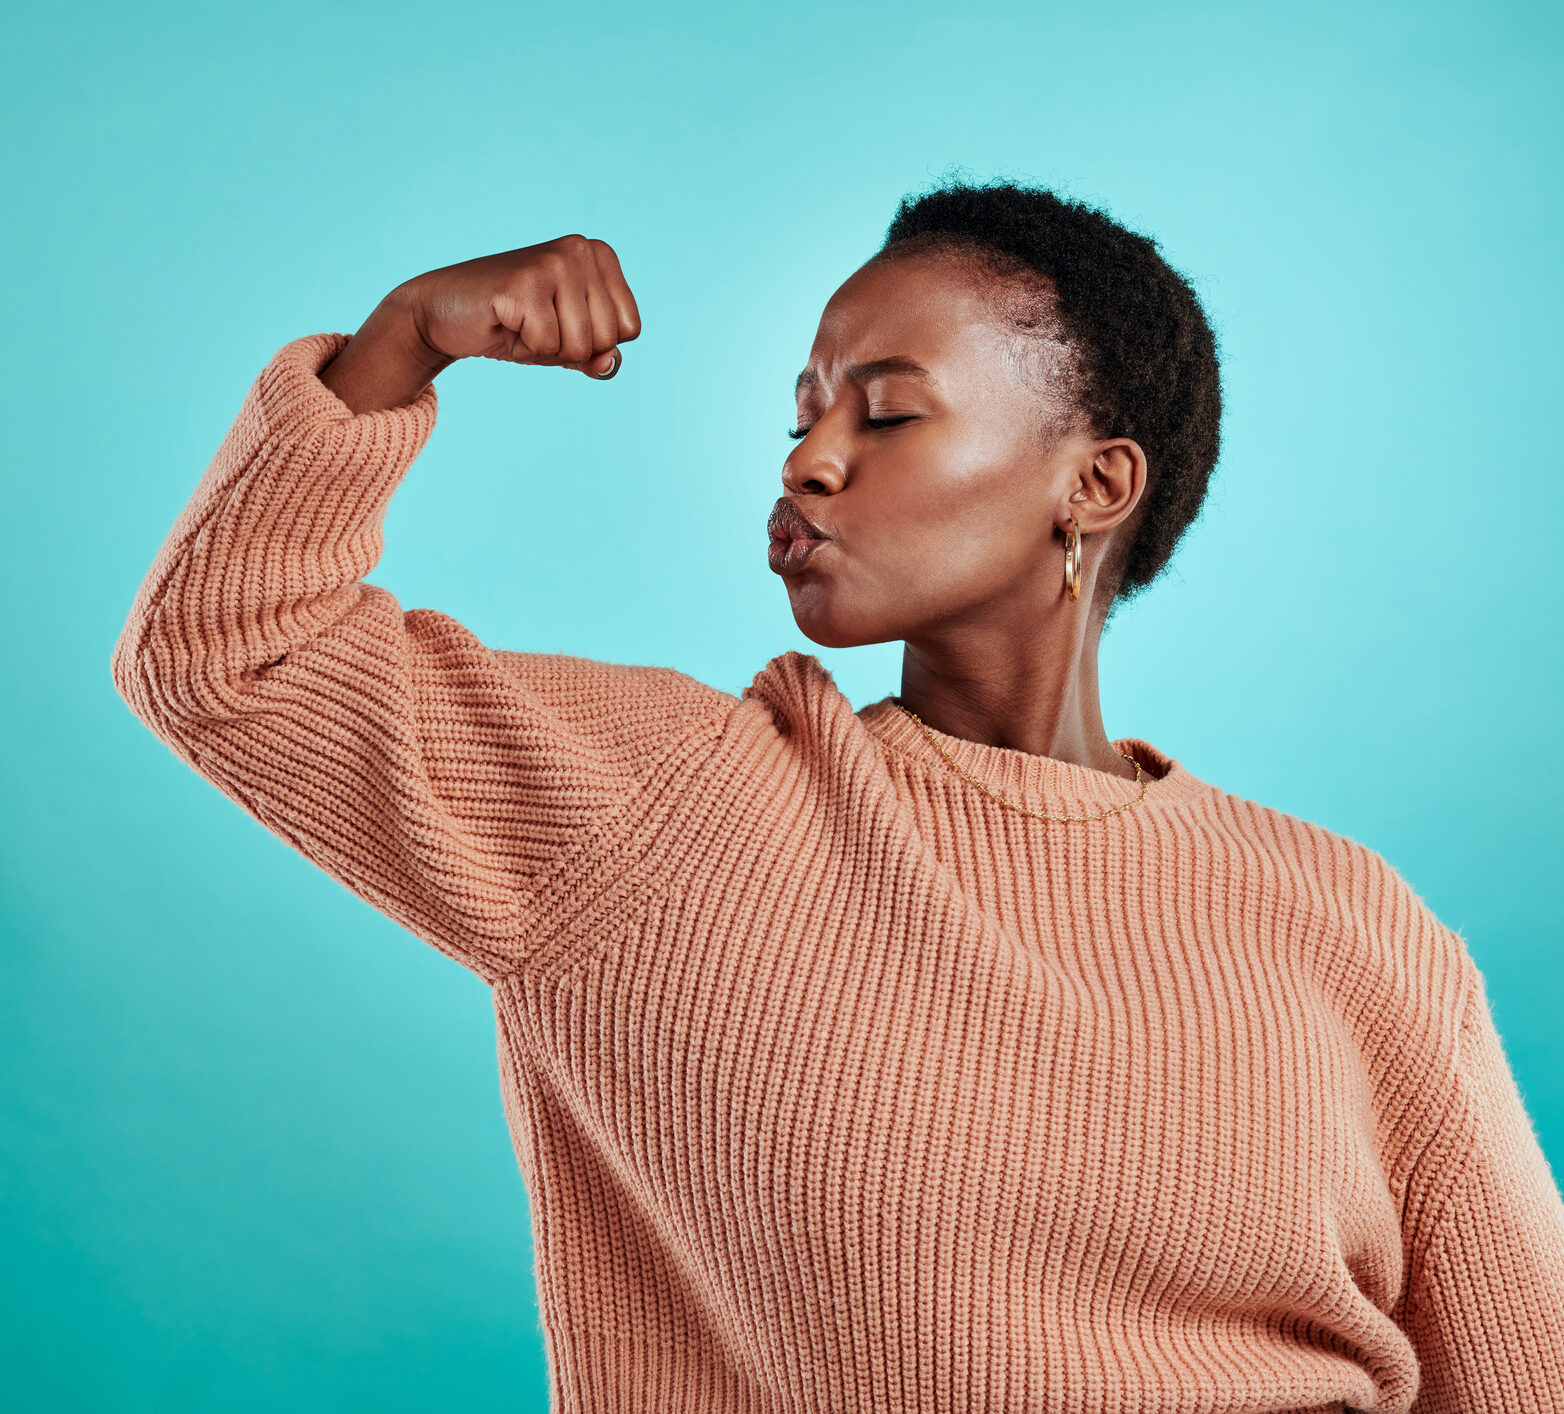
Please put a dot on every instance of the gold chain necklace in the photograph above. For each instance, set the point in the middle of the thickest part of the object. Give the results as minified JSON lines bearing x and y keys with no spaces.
{"x":1036,"y":815}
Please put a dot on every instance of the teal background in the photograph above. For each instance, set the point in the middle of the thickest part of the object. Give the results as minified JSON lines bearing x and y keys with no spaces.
{"x":254,"y":1156}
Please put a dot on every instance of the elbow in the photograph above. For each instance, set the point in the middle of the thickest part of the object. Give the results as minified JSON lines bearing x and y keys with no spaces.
{"x":148,"y":690}
{"x":128,"y":673}
{"x":172,"y":681}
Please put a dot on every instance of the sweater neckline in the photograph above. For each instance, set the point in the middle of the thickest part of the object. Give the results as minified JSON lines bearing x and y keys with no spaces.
{"x":1038,"y":782}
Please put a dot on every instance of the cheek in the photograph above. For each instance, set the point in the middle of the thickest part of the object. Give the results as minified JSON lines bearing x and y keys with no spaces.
{"x":965,"y":508}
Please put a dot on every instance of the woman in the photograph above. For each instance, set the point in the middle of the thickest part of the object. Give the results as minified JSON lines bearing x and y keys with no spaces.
{"x":942,"y":1055}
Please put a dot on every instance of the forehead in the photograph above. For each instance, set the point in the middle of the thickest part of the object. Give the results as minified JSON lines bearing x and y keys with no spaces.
{"x":934,"y":310}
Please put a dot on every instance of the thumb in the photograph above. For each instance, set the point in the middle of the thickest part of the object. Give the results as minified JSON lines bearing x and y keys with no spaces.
{"x":600,"y":366}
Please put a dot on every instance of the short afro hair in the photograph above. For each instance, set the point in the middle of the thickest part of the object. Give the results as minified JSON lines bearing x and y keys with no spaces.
{"x":1143,"y":358}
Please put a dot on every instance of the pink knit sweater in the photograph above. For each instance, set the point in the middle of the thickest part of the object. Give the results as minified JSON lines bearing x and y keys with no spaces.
{"x":835,"y":1085}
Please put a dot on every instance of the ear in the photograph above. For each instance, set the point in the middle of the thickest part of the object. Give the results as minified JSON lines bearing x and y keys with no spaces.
{"x":1109,"y":486}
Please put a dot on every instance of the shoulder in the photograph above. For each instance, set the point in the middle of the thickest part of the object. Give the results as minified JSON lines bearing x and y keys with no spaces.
{"x":796,"y":698}
{"x":1369,"y":933}
{"x":639,"y":687}
{"x":636,"y":714}
{"x":793,"y":686}
{"x":1346,"y":882}
{"x":651,"y":711}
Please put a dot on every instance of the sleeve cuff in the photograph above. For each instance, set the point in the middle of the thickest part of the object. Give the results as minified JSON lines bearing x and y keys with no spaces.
{"x":292,"y":394}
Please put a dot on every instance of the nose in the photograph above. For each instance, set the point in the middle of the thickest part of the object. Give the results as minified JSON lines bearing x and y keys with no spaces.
{"x":813,"y":468}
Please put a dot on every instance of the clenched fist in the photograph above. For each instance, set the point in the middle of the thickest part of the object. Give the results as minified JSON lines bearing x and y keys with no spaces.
{"x":563,"y":303}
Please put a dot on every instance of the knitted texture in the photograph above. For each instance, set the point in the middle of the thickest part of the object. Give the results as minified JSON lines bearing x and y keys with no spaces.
{"x":835,"y":1084}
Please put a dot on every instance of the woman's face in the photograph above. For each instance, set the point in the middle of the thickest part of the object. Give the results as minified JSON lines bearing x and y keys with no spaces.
{"x":927,"y":461}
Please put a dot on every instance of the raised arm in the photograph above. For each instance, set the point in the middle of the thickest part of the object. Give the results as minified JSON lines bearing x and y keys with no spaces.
{"x":454,"y":787}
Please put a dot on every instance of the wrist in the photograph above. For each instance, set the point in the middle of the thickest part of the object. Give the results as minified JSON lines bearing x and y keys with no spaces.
{"x":404,"y":314}
{"x":388,"y":363}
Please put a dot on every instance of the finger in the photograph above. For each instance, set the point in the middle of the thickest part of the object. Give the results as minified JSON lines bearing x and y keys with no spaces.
{"x":538,"y":337}
{"x":602,"y":366}
{"x":575,"y":323}
{"x":628,"y":315}
{"x":603,"y":315}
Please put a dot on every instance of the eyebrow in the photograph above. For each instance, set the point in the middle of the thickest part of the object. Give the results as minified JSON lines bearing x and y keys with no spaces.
{"x":863,"y":372}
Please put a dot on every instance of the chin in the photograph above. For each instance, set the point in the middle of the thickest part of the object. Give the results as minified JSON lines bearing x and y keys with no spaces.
{"x":824,"y":622}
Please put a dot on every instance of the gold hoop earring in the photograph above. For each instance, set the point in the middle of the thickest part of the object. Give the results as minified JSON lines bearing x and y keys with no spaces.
{"x":1072,"y":559}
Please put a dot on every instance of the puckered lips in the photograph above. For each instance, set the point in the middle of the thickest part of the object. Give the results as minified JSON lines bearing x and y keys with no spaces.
{"x":794,"y":537}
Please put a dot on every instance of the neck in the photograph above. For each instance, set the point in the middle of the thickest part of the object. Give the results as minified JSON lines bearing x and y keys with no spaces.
{"x":1035,"y":692}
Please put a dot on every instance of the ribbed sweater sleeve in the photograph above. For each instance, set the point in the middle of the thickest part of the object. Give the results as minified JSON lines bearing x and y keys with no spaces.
{"x":453,"y":786}
{"x":1484,"y":1306}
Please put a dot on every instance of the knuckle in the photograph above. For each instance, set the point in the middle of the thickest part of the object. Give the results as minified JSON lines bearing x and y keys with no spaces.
{"x":552,"y":264}
{"x":520,"y":291}
{"x":575,"y":245}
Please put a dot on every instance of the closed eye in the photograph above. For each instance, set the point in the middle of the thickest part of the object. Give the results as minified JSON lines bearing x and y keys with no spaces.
{"x":877,"y":423}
